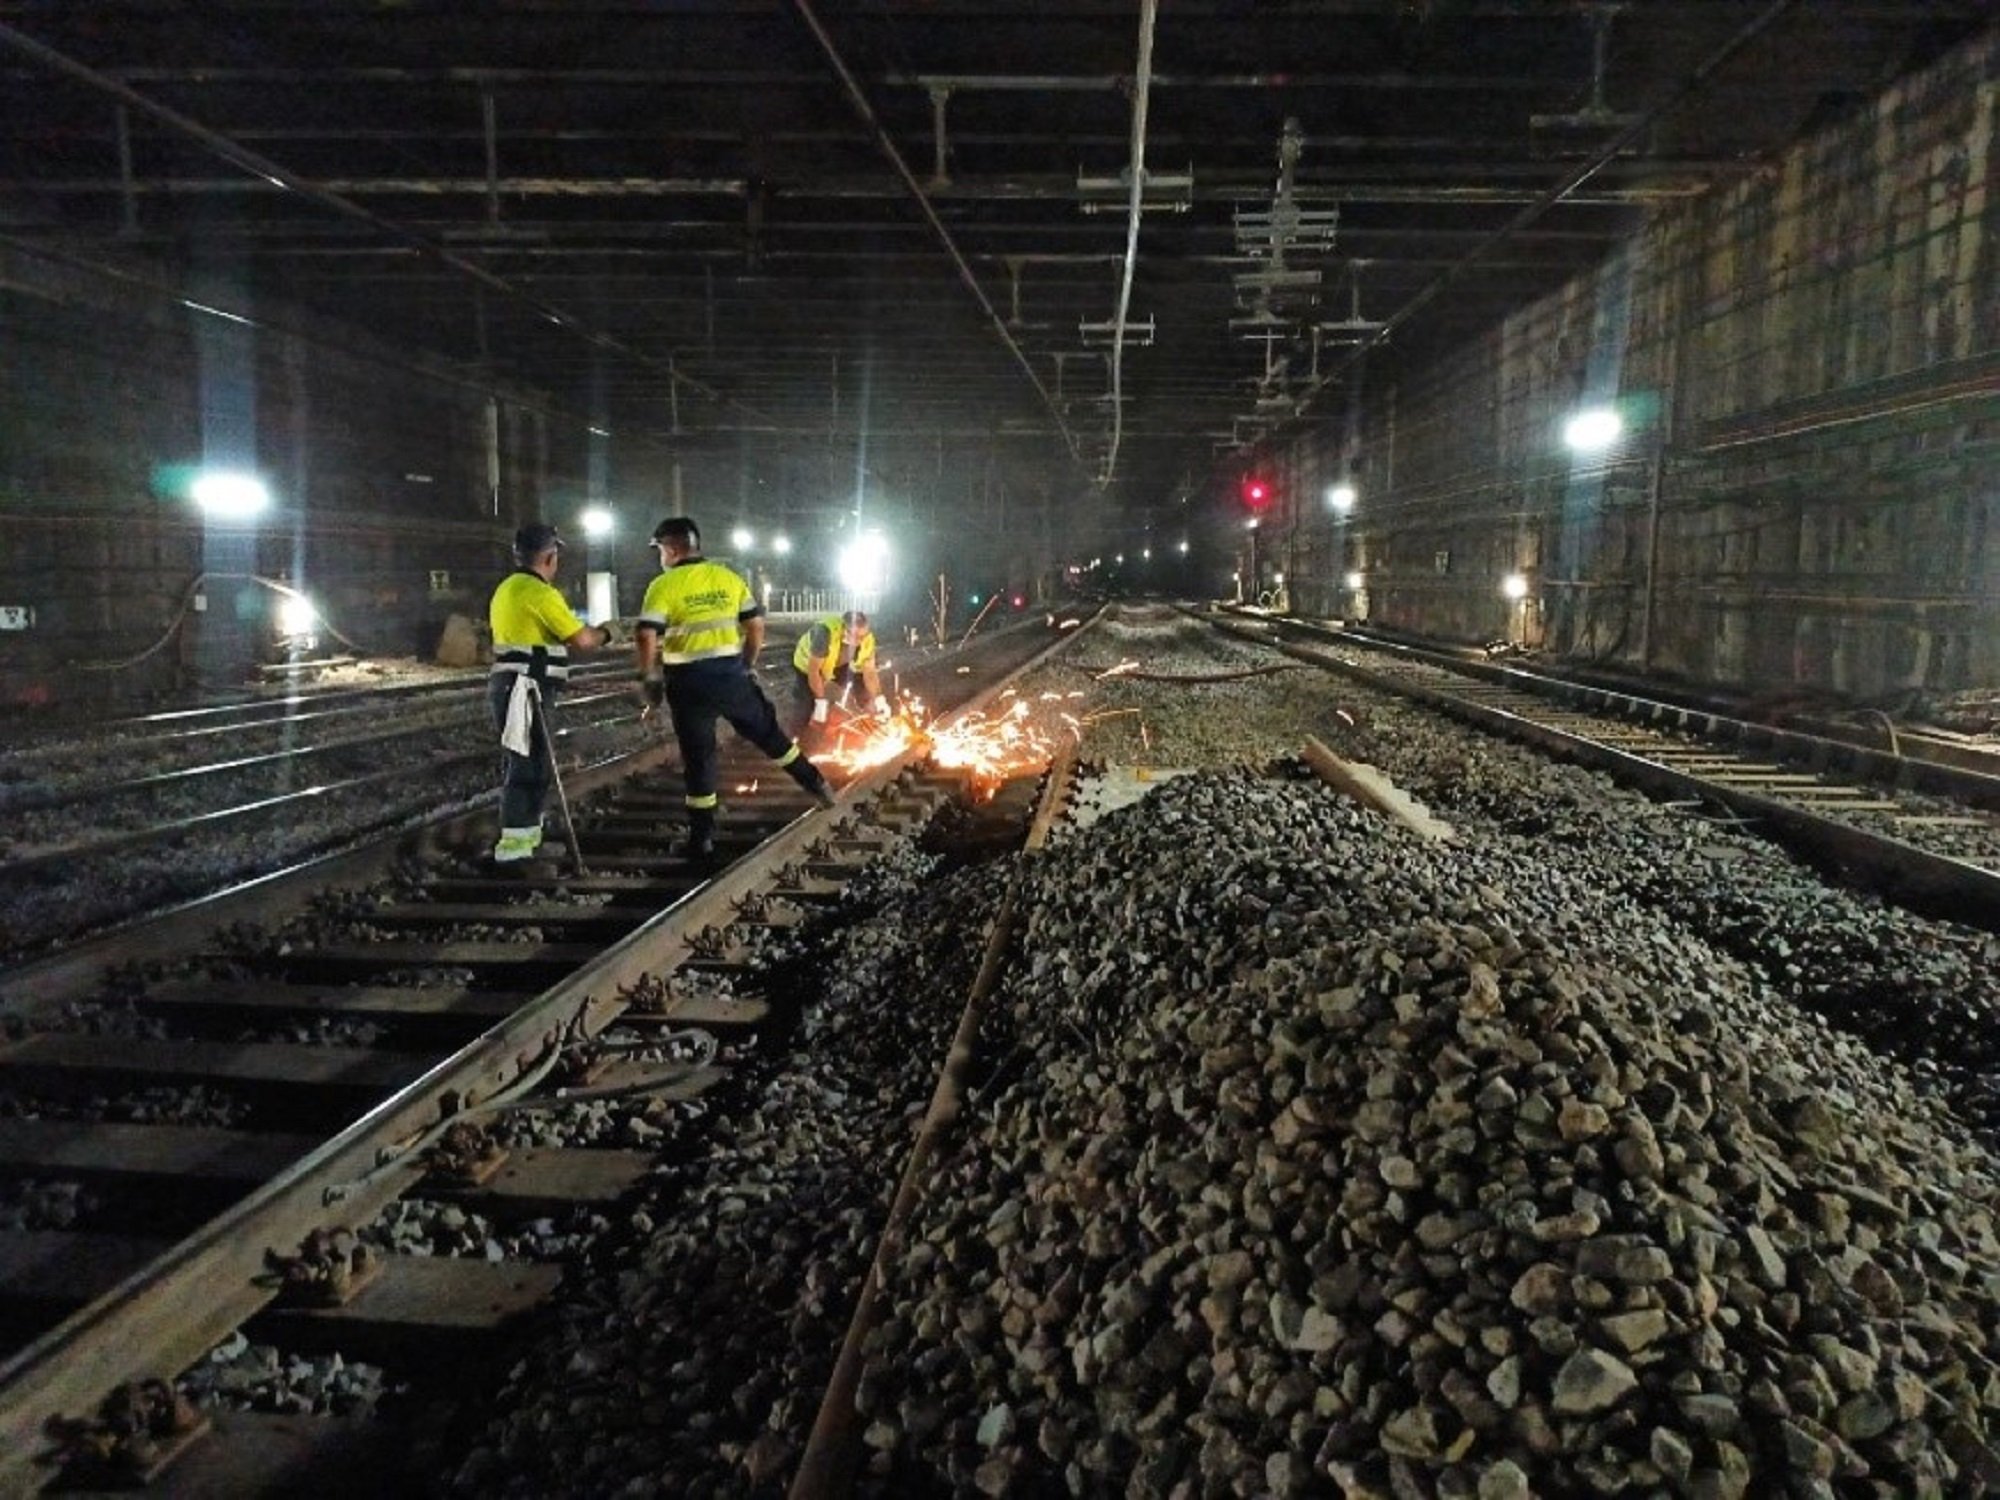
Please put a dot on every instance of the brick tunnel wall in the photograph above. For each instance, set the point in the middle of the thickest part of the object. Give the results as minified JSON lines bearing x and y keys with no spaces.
{"x":1808,"y":365}
{"x":112,"y":397}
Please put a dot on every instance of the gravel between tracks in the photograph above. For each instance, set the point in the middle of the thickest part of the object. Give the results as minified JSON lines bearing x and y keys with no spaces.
{"x":1317,"y":1159}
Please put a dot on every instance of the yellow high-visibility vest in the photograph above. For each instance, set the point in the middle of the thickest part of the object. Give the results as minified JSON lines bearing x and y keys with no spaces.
{"x":530,"y":621}
{"x":698,"y":607}
{"x":829,"y":662}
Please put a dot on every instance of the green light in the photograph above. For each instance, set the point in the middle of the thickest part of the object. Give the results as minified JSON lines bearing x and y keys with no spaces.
{"x":975,"y":598}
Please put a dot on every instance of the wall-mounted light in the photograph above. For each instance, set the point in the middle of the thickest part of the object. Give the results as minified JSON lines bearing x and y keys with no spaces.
{"x":231,"y":495}
{"x":1183,"y":547}
{"x":782,"y":545}
{"x":1341,"y":497}
{"x":597,"y":521}
{"x":742,"y":539}
{"x":1514,"y":586}
{"x":1593,"y":430}
{"x":1119,"y":559}
{"x":1146,"y":553}
{"x":1356,"y":581}
{"x":1251,"y":524}
{"x":297,"y":615}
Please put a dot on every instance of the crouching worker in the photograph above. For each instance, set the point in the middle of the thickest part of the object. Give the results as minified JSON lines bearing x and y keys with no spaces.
{"x":832,"y":655}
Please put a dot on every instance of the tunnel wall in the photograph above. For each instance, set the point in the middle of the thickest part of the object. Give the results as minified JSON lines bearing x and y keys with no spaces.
{"x":1807,"y":495}
{"x":396,"y":482}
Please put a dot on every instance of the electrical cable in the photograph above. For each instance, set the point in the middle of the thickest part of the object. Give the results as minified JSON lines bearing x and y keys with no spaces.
{"x":187,"y":605}
{"x":1135,"y":210}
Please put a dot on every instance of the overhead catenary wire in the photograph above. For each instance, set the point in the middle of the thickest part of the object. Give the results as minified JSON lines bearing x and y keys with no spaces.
{"x":857,"y":97}
{"x":1135,"y":210}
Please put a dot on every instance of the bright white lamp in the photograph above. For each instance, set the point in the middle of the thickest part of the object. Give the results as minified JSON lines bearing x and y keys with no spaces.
{"x":597,"y":521}
{"x":230,"y":495}
{"x":1593,"y":430}
{"x":1514,"y":586}
{"x":864,"y":563}
{"x":297,"y":615}
{"x":1341,"y":497}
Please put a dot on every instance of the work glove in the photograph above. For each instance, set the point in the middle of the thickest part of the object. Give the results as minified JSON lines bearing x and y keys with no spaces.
{"x":881,"y":707}
{"x":820,"y":707}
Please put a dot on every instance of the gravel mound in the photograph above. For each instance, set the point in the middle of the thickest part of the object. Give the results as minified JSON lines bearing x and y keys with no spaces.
{"x":1335,"y":1162}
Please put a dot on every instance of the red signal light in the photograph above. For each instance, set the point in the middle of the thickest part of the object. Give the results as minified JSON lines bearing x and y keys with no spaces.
{"x":1256,"y":493}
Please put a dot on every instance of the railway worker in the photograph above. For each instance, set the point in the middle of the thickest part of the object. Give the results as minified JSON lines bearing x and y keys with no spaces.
{"x":534,"y":631}
{"x":702,"y":623}
{"x":832,"y":654}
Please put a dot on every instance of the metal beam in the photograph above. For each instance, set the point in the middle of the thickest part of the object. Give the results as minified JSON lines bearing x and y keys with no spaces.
{"x":859,"y":100}
{"x":272,"y":172}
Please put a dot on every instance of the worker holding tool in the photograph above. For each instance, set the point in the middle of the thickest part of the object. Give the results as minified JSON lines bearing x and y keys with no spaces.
{"x":701,"y":621}
{"x":534,"y":632}
{"x":833,"y":653}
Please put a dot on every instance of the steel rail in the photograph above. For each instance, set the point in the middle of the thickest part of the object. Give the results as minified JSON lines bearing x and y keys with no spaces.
{"x":1815,"y":748}
{"x":165,"y":1316}
{"x":111,"y":843}
{"x":158,"y":780}
{"x":827,"y":1464}
{"x":1930,"y":884}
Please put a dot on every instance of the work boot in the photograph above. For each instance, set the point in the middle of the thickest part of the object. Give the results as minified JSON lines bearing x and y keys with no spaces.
{"x":517,"y":844}
{"x":700,"y":841}
{"x":809,"y":776}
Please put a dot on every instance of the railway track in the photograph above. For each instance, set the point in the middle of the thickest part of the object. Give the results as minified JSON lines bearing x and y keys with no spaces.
{"x":115,"y":829}
{"x":1925,"y":834}
{"x":466,"y":987}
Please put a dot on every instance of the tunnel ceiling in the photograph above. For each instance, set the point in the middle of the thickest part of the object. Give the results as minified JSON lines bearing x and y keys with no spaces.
{"x":672,"y":214}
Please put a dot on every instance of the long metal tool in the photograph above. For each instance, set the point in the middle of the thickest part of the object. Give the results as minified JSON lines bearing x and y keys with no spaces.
{"x":541,"y":715}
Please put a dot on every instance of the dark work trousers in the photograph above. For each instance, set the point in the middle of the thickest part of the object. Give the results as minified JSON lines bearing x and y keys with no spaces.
{"x":802,"y":695}
{"x":700,"y":693}
{"x":524,"y":779}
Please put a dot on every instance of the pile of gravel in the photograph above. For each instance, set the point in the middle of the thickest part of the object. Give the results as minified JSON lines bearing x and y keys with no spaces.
{"x":1323,"y":1160}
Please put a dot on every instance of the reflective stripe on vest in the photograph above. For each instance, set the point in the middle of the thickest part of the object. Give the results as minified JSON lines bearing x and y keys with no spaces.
{"x":543,"y":663}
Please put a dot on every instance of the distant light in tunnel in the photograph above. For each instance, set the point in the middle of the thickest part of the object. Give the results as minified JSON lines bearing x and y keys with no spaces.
{"x":597,"y":521}
{"x":1356,"y":581}
{"x":782,"y":545}
{"x":1341,"y":497}
{"x":1593,"y":430}
{"x":1514,"y":586}
{"x":1183,"y":547}
{"x":742,"y":539}
{"x":230,"y":495}
{"x":297,"y":615}
{"x":864,"y":563}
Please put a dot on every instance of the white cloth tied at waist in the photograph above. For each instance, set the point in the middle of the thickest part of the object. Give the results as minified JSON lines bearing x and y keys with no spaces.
{"x":518,"y":735}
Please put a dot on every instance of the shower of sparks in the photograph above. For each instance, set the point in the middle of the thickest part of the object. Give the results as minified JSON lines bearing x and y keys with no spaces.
{"x":991,"y":746}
